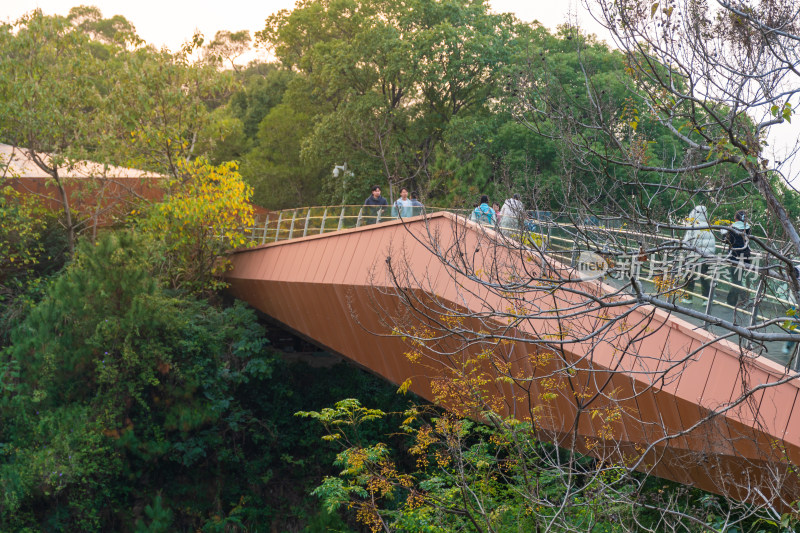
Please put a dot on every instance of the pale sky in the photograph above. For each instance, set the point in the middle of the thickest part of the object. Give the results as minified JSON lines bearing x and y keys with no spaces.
{"x":172,"y":22}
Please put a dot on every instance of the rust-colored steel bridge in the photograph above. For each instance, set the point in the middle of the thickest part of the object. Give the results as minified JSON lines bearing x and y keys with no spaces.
{"x":475,"y":326}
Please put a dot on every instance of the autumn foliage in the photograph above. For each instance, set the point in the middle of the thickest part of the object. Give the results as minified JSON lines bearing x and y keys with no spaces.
{"x":201,"y":216}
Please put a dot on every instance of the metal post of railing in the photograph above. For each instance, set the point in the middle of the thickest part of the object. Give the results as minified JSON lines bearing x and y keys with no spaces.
{"x":341,"y":219}
{"x":278,"y":227}
{"x":308,"y":217}
{"x":252,"y":231}
{"x":754,"y":315}
{"x":574,"y":253}
{"x":291,"y":227}
{"x":264,"y":236}
{"x":358,"y":220}
{"x":762,"y":282}
{"x":712,"y":287}
{"x":378,"y":217}
{"x":322,"y":226}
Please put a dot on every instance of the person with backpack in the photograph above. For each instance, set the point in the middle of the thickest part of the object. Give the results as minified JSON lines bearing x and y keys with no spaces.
{"x":738,"y":240}
{"x":483,"y":214}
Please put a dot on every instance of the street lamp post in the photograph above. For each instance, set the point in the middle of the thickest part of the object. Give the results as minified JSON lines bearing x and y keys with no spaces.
{"x":337,"y":169}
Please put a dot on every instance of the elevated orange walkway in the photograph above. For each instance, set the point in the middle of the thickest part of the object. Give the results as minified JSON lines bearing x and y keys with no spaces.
{"x":629,"y":385}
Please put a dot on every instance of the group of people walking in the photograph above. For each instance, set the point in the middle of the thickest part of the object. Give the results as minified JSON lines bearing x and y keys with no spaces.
{"x":699,"y":241}
{"x":408,"y":205}
{"x":511,"y":216}
{"x":701,"y":244}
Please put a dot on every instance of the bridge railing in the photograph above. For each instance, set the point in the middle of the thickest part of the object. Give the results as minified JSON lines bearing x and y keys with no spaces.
{"x":304,"y":221}
{"x":663,"y":272}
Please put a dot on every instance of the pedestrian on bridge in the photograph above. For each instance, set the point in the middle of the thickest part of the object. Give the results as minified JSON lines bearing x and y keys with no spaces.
{"x":416,"y":205}
{"x":738,"y":240}
{"x":512,"y":215}
{"x":702,"y":246}
{"x":402,"y":206}
{"x":483,"y":214}
{"x":376,"y":205}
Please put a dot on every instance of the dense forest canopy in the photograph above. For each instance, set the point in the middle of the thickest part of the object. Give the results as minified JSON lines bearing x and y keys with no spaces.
{"x":135,"y":397}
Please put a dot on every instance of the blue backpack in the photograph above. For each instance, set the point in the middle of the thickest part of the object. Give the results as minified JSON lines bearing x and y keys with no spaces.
{"x":484,"y":214}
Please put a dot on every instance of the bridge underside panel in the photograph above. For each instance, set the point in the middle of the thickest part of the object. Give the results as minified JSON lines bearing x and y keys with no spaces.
{"x":652,"y":397}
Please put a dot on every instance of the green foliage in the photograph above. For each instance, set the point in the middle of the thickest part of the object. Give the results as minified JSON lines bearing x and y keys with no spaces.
{"x":222,"y":138}
{"x":124,"y":406}
{"x":38,"y":110}
{"x":108,"y":375}
{"x":279,"y":176}
{"x":227,"y":46}
{"x":21,"y":226}
{"x":160,"y":519}
{"x":202,"y":215}
{"x":467,"y":476}
{"x":262,"y":87}
{"x":389,"y":77}
{"x":167,"y":102}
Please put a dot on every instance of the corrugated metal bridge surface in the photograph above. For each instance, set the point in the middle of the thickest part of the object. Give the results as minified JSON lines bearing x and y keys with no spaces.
{"x":335,"y":289}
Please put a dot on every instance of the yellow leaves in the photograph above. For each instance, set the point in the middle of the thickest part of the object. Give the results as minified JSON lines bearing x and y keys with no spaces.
{"x":540,"y":359}
{"x":203,"y":214}
{"x":413,"y":356}
{"x":404,"y":387}
{"x":452,"y":320}
{"x":415,"y":500}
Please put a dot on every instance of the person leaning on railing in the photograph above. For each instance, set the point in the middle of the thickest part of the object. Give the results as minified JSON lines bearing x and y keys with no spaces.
{"x":376,"y":204}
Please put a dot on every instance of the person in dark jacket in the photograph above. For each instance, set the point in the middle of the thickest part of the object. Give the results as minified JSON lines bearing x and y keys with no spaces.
{"x":738,"y":241}
{"x":376,"y":204}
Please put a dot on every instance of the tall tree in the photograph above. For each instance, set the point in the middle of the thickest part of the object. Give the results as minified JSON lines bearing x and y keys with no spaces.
{"x":392,"y":73}
{"x":54,"y":97}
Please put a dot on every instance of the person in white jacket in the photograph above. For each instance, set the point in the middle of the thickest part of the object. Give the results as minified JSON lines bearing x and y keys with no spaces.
{"x":701,"y":247}
{"x":512,"y":214}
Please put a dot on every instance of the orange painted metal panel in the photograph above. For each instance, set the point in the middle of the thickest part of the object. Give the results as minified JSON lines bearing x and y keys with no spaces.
{"x":335,"y":289}
{"x":107,"y":199}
